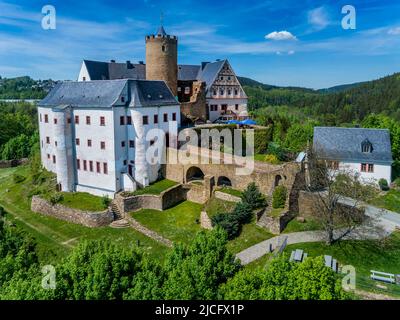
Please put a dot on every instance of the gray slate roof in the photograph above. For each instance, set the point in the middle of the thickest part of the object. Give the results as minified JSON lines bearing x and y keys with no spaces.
{"x":210,"y":72}
{"x":344,"y":144}
{"x":105,"y":93}
{"x":113,"y":70}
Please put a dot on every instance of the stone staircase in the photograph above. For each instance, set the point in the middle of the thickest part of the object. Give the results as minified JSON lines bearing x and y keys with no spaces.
{"x":119,"y":221}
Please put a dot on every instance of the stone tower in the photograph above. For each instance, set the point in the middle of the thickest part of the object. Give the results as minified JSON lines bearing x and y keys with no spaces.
{"x":162,"y":58}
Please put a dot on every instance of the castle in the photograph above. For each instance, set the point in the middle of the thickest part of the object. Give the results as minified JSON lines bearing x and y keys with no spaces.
{"x":209,"y":91}
{"x":93,"y":131}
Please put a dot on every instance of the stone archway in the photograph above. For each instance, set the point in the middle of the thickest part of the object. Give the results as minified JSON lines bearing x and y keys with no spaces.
{"x":278,"y":179}
{"x":194,"y":173}
{"x":224,"y":181}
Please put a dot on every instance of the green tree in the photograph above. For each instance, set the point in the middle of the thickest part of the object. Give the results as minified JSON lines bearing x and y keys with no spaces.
{"x":284,"y":280}
{"x":16,"y":148}
{"x":253,"y":197}
{"x":197,"y":270}
{"x":297,"y":137}
{"x":279,"y":197}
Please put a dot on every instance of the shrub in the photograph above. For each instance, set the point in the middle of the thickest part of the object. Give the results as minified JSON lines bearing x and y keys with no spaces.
{"x":17,"y":178}
{"x":56,"y":198}
{"x":228,"y":222}
{"x":261,"y":139}
{"x":253,"y":197}
{"x":383,"y":184}
{"x":243,"y":213}
{"x":105,"y":201}
{"x":279,"y":197}
{"x":271,"y":158}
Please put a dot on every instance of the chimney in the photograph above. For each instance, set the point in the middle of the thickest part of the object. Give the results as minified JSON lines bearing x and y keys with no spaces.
{"x":112,"y":61}
{"x":129,"y":64}
{"x":141,"y":62}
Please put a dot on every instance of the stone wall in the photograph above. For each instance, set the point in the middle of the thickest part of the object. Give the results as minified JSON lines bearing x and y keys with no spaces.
{"x":308,"y":204}
{"x":275,"y":224}
{"x":196,"y":193}
{"x":226,"y":197}
{"x":163,"y":201}
{"x":86,"y":218}
{"x":13,"y":163}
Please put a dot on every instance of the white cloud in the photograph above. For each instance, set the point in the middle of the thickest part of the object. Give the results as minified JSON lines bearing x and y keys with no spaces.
{"x":290,"y":52}
{"x":394,"y":31}
{"x":319,"y":18}
{"x":280,"y":35}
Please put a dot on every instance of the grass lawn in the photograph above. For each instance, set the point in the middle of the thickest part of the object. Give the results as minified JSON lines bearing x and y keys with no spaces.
{"x":155,"y":188}
{"x":231,"y":191}
{"x":177,"y":223}
{"x":82,"y":201}
{"x":296,"y":226}
{"x":215,"y":206}
{"x":389,"y":201}
{"x":251,"y":234}
{"x":364,"y":256}
{"x":275,"y":212}
{"x":55,"y":238}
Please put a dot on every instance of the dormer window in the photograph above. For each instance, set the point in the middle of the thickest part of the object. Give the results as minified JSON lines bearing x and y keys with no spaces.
{"x":366,"y":146}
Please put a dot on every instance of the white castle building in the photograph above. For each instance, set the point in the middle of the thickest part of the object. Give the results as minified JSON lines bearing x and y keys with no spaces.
{"x":93,"y":131}
{"x":93,"y":134}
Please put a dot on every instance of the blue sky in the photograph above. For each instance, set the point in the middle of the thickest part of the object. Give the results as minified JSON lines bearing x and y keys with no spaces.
{"x":297,"y":43}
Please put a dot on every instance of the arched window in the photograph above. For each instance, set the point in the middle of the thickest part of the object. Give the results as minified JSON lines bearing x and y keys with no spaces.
{"x":366,"y":146}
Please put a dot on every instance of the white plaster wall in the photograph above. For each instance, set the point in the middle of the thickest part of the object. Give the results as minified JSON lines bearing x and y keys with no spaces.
{"x":47,"y":129}
{"x":380,"y":171}
{"x":83,"y":73}
{"x":214,"y":115}
{"x":96,"y":133}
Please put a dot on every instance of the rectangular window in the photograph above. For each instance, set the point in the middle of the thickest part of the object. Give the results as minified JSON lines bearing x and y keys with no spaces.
{"x":55,"y":142}
{"x":236,"y":92}
{"x":48,"y":140}
{"x":46,"y":118}
{"x":128,"y":120}
{"x":91,"y":166}
{"x":77,"y":141}
{"x":68,"y":120}
{"x":370,"y":167}
{"x":40,"y":117}
{"x":125,"y":162}
{"x":363,"y":167}
{"x":165,"y":117}
{"x":78,"y":164}
{"x":98,"y":167}
{"x":48,"y":156}
{"x":87,"y":120}
{"x":174,"y":116}
{"x":122,"y":99}
{"x":76,"y":119}
{"x":122,"y":144}
{"x":54,"y":159}
{"x":122,"y":120}
{"x":105,"y":168}
{"x":89,"y":143}
{"x":55,"y":120}
{"x":236,"y":107}
{"x":145,"y":120}
{"x":102,"y":121}
{"x":155,"y":118}
{"x":102,"y":145}
{"x":131,"y":143}
{"x":85,"y":165}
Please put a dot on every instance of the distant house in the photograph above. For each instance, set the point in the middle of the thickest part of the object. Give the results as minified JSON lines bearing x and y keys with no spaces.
{"x":365,"y":151}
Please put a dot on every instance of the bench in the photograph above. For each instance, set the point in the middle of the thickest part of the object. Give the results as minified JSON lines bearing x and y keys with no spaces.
{"x":383,"y":276}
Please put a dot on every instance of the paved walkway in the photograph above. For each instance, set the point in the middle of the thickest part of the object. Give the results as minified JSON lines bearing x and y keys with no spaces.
{"x":387,"y":220}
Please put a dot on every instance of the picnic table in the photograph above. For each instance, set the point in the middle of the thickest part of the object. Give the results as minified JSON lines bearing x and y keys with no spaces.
{"x":298,"y":255}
